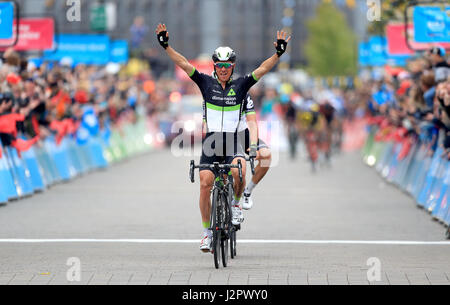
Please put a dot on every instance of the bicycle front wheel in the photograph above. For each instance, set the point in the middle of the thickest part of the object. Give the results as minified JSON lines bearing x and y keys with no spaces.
{"x":217,"y":236}
{"x":216,"y":219}
{"x":226,"y":226}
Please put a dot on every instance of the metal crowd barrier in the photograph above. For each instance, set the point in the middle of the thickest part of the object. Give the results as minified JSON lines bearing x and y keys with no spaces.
{"x":47,"y":163}
{"x":422,"y":174}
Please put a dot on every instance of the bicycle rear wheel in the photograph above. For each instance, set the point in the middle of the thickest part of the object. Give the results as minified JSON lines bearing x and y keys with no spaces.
{"x":233,"y":243}
{"x":224,"y":245}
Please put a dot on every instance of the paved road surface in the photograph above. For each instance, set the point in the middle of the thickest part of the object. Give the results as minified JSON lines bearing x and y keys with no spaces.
{"x":138,"y":223}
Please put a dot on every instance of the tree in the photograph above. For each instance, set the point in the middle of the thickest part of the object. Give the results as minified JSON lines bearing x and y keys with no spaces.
{"x":331,"y":46}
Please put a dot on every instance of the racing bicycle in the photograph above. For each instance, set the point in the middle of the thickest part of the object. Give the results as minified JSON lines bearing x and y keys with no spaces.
{"x":224,"y":232}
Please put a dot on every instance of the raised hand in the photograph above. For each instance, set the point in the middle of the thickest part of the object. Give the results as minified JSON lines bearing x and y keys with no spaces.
{"x":281,"y":43}
{"x":162,"y":35}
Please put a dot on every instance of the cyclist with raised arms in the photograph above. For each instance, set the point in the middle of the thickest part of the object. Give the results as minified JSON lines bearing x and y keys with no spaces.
{"x":224,"y":97}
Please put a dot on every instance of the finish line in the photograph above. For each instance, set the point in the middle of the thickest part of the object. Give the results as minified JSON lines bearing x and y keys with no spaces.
{"x":244,"y":241}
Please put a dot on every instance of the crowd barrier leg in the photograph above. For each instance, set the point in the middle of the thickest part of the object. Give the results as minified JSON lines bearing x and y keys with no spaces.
{"x":22,"y":177}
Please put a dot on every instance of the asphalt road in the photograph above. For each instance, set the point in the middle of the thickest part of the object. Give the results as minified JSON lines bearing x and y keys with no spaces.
{"x":138,"y":223}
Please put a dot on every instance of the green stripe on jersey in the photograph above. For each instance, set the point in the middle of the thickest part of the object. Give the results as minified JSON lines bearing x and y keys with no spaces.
{"x":226,"y":108}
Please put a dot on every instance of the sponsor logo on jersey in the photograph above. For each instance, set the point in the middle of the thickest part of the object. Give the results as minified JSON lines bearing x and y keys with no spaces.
{"x":231,"y":93}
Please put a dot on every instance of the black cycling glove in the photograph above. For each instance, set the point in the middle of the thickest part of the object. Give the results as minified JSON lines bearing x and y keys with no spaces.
{"x":163,"y":39}
{"x":253,"y":151}
{"x":281,"y":47}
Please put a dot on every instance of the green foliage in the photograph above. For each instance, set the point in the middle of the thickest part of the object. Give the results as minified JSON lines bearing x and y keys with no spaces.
{"x":391,"y":10}
{"x":331,"y":46}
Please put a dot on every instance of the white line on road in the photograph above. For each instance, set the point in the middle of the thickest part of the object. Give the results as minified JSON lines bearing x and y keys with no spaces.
{"x":187,"y":241}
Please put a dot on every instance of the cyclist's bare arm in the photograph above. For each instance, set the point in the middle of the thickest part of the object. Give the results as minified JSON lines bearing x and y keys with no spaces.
{"x":176,"y":57}
{"x":268,"y":65}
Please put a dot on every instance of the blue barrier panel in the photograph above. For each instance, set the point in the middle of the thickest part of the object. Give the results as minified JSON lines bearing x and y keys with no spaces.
{"x":65,"y":145}
{"x":21,"y":174}
{"x":77,"y":161}
{"x":97,"y":153}
{"x":83,"y":152}
{"x":403,"y":168}
{"x":50,"y":172}
{"x":417,"y":169}
{"x":60,"y":157}
{"x":3,"y":197}
{"x":5,"y":180}
{"x":34,"y":169}
{"x":430,"y":178}
{"x":435,"y":192}
{"x":411,"y":161}
{"x":421,"y":175}
{"x":442,"y":207}
{"x":447,"y":219}
{"x":407,"y":166}
{"x":8,"y":187}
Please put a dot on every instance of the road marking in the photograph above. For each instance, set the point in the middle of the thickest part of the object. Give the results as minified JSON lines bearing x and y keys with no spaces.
{"x":244,"y":241}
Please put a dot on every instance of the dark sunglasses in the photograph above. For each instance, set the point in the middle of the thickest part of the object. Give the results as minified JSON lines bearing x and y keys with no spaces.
{"x":225,"y":65}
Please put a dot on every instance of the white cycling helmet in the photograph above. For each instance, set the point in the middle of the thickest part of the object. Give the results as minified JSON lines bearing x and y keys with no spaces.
{"x":224,"y":54}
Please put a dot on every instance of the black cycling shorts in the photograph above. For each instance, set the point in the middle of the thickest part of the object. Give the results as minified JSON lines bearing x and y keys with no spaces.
{"x":221,"y":147}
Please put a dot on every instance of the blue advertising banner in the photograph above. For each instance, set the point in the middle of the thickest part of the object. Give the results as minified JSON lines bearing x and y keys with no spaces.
{"x":378,"y":50}
{"x":364,"y":54}
{"x":6,"y":20}
{"x":119,"y":52}
{"x":374,"y":53}
{"x":431,"y":24}
{"x":85,"y":49}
